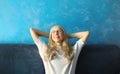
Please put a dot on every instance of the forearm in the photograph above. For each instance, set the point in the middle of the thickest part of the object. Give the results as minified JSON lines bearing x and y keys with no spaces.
{"x":77,"y":34}
{"x":82,"y":35}
{"x":39,"y":33}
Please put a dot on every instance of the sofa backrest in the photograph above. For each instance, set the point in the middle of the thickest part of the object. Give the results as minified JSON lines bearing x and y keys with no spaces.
{"x":25,"y":59}
{"x":99,"y":59}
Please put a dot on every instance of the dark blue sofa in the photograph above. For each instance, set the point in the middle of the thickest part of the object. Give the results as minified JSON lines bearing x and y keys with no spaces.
{"x":25,"y":59}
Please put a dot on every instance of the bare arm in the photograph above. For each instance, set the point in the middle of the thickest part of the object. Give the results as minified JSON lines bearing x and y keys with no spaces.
{"x":36,"y":33}
{"x":82,"y":35}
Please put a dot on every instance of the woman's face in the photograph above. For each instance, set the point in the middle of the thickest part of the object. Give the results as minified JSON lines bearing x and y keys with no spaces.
{"x":57,"y":34}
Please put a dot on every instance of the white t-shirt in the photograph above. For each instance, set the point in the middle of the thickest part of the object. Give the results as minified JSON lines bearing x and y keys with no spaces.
{"x":58,"y":65}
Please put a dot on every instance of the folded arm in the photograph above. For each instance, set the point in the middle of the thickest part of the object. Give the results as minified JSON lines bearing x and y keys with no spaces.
{"x":36,"y":33}
{"x":82,"y":35}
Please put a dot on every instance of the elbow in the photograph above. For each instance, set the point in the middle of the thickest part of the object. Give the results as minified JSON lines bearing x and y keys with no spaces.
{"x":31,"y":29}
{"x":88,"y":33}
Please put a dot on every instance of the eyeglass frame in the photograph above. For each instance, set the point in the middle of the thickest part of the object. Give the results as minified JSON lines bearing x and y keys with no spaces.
{"x":58,"y":31}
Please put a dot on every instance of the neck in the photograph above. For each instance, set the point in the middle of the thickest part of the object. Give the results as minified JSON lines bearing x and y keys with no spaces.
{"x":58,"y":44}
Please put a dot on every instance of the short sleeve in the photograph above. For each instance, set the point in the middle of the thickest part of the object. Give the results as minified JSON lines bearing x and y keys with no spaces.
{"x":78,"y":46}
{"x":42,"y":46}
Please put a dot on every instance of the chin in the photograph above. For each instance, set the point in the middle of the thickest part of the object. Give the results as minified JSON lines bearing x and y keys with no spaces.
{"x":57,"y":40}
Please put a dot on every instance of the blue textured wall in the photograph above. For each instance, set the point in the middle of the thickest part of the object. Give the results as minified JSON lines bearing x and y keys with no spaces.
{"x":100,"y":17}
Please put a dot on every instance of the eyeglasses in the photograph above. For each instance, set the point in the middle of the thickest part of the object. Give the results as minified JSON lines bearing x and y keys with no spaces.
{"x":58,"y":31}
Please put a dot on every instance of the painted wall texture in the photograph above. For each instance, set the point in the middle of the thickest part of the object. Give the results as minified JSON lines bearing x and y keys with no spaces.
{"x":100,"y":17}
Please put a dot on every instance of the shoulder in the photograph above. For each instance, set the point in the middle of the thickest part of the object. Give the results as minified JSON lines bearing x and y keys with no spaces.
{"x":40,"y":43}
{"x":78,"y":44}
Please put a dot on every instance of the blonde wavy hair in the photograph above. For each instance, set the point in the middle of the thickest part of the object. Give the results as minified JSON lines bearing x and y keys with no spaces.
{"x":51,"y":52}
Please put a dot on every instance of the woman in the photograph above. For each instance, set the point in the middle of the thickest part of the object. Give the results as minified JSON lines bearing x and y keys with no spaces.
{"x":59,"y":57}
